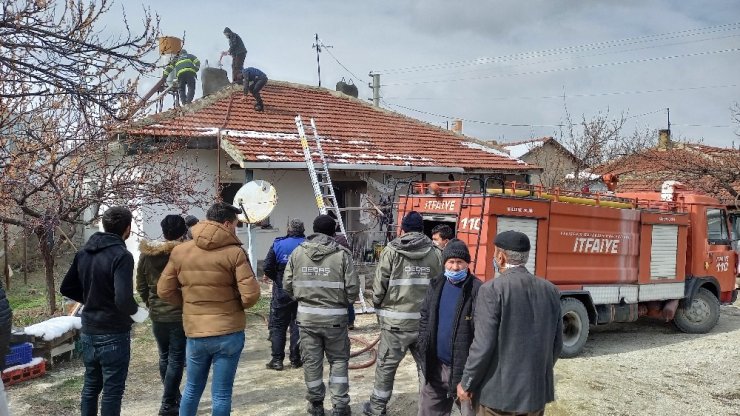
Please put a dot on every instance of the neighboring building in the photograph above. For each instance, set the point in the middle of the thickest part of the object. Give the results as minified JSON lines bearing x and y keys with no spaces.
{"x":369,"y":149}
{"x":556,"y":161}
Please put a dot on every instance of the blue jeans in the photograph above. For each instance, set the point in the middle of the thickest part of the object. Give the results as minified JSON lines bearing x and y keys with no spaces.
{"x":106,"y":359}
{"x":223,"y":351}
{"x":171,"y":340}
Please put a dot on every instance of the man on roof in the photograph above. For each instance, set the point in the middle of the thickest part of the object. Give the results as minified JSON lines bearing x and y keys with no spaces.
{"x":186,"y":68}
{"x":254,"y":81}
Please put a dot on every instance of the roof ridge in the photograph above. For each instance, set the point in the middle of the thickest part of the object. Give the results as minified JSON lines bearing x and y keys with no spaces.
{"x":540,"y":139}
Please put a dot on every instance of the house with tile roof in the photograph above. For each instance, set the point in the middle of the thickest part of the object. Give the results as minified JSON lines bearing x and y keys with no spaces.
{"x":555,"y":159}
{"x":368,"y":149}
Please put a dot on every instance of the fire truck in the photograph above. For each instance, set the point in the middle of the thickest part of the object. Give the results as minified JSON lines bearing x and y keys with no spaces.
{"x":614,"y":257}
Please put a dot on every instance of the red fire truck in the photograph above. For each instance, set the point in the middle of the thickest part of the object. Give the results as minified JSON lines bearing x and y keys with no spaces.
{"x":615,"y":258}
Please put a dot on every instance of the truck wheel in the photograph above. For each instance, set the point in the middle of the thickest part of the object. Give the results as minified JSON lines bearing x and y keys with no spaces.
{"x":575,"y":326}
{"x":699,"y":317}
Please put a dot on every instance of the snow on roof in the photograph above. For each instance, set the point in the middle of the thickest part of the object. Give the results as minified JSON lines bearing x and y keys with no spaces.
{"x":54,"y":328}
{"x":583,"y":175}
{"x":521,"y":149}
{"x":487,"y":149}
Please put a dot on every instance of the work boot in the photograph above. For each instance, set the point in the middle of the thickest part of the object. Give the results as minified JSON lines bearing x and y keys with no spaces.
{"x":275,"y":364}
{"x":367,"y":410}
{"x":259,"y":107}
{"x":296,"y":364}
{"x":345,"y":411}
{"x":316,"y":409}
{"x":169,"y":410}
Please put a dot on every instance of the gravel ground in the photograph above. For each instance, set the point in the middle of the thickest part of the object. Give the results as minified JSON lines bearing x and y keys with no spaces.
{"x":643,"y":368}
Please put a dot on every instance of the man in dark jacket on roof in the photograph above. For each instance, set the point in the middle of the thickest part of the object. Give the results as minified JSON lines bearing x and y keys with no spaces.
{"x":102,"y":278}
{"x":446,"y":332}
{"x":283,"y":308}
{"x":403,"y":274}
{"x":254,"y":81}
{"x":238,"y":53}
{"x":320,"y":275}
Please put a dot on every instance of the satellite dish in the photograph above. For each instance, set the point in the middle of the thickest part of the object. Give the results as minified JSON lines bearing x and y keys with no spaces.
{"x":256,"y":199}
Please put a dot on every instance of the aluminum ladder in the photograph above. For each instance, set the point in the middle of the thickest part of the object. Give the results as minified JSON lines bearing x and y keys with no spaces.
{"x":323,"y":189}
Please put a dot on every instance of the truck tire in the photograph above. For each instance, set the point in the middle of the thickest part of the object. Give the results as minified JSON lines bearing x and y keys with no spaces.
{"x":700,"y":316}
{"x":575,"y":327}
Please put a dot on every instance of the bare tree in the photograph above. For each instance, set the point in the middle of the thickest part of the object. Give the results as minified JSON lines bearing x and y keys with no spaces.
{"x":62,"y":91}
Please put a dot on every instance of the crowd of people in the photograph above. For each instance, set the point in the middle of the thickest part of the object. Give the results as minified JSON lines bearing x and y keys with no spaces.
{"x":487,"y":348}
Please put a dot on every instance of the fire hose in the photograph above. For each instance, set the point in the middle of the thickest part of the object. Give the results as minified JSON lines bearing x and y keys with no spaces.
{"x":368,"y":347}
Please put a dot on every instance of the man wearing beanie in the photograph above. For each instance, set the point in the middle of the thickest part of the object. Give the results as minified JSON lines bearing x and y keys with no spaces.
{"x":320,"y":275}
{"x":446,"y":332}
{"x":518,"y":336}
{"x":403,"y":274}
{"x":166,"y":318}
{"x":238,"y":53}
{"x":282,"y":307}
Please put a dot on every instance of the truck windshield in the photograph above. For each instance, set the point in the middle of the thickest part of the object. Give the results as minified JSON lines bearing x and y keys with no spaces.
{"x":717,"y":226}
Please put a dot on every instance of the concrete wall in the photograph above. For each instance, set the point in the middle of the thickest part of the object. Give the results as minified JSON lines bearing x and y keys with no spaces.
{"x":555,"y":163}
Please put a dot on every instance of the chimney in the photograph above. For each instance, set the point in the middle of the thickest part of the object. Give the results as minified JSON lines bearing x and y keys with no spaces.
{"x":664,"y":139}
{"x":457,"y":126}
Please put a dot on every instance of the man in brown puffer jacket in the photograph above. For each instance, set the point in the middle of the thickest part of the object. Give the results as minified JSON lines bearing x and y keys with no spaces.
{"x":212,"y":278}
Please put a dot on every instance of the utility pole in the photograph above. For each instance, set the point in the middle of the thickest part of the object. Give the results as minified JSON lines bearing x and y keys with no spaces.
{"x":376,"y":88}
{"x":317,"y":45}
{"x":668,"y":111}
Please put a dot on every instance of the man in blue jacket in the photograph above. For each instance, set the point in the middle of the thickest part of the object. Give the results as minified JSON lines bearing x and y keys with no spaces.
{"x":283,"y":308}
{"x":254,"y":81}
{"x":102,"y":278}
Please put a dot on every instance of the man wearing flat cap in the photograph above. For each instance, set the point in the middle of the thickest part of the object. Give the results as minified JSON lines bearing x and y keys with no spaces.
{"x":403,"y":274}
{"x":518,"y":337}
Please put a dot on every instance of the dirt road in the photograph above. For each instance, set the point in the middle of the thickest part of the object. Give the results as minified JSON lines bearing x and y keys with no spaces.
{"x":644,"y":368}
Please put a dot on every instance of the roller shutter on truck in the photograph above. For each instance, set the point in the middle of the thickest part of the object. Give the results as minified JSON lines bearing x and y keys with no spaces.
{"x":663,"y":252}
{"x":527,"y":226}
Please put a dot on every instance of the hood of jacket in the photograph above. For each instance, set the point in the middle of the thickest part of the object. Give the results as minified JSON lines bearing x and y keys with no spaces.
{"x":210,"y":235}
{"x":156,"y":248}
{"x":319,"y":245}
{"x":100,"y":241}
{"x":413,"y":245}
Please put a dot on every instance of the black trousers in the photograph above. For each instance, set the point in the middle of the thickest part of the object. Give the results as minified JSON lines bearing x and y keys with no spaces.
{"x":237,"y":63}
{"x":186,"y":83}
{"x":283,"y":319}
{"x":255,"y":87}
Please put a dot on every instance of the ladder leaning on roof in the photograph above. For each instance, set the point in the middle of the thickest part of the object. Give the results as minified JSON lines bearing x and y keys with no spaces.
{"x":323,"y":189}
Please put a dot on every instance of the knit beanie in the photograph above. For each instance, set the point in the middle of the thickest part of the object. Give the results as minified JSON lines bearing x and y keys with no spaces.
{"x":456,"y":249}
{"x":227,"y":30}
{"x":295,"y":226}
{"x":173,"y":227}
{"x":324,"y":224}
{"x":191,"y":220}
{"x":412,"y":222}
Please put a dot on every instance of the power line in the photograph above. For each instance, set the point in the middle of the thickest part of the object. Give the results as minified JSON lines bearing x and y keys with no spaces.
{"x":491,"y":123}
{"x":702,"y":125}
{"x":663,"y":45}
{"x":579,"y":67}
{"x":569,"y":49}
{"x":601,"y":94}
{"x":352,"y":75}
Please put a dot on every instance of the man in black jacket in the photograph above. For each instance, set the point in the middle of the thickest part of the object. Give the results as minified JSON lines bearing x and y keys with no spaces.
{"x":238,"y":53}
{"x":518,"y":337}
{"x":446,"y":331}
{"x":101,"y":278}
{"x":6,"y":325}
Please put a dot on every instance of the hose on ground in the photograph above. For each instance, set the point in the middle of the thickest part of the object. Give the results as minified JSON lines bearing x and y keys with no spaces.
{"x":368,"y":347}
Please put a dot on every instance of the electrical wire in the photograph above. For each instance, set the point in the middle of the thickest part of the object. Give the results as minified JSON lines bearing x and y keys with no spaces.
{"x":560,"y":97}
{"x":352,"y":75}
{"x":491,"y":123}
{"x":572,"y":68}
{"x":568,"y":49}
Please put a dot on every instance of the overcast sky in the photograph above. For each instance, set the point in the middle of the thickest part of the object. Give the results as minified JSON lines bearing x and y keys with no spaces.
{"x":516,"y":59}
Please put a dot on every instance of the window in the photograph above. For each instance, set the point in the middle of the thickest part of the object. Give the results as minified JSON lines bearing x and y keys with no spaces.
{"x":717,"y":226}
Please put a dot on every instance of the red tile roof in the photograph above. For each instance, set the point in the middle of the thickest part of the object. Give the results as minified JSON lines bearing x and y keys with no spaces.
{"x":354,"y":131}
{"x":705,"y":169}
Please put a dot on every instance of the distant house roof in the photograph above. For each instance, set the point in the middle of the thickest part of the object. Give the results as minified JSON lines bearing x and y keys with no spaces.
{"x":522,"y":148}
{"x":353,"y":132}
{"x":647,"y":170}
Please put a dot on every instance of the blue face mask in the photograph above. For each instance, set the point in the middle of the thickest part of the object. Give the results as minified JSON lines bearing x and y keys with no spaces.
{"x":456,"y":277}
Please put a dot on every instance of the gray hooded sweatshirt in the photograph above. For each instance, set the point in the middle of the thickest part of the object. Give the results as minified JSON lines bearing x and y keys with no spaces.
{"x":320,"y":275}
{"x":403,"y":274}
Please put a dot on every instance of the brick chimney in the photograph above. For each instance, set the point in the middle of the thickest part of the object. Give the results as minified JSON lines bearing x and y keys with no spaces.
{"x":457,"y":126}
{"x":664,"y":139}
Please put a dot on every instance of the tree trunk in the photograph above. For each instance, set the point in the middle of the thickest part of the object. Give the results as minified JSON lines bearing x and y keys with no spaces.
{"x":45,"y":247}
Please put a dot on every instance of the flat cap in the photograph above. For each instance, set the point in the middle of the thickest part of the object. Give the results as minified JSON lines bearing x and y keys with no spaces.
{"x":512,"y":240}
